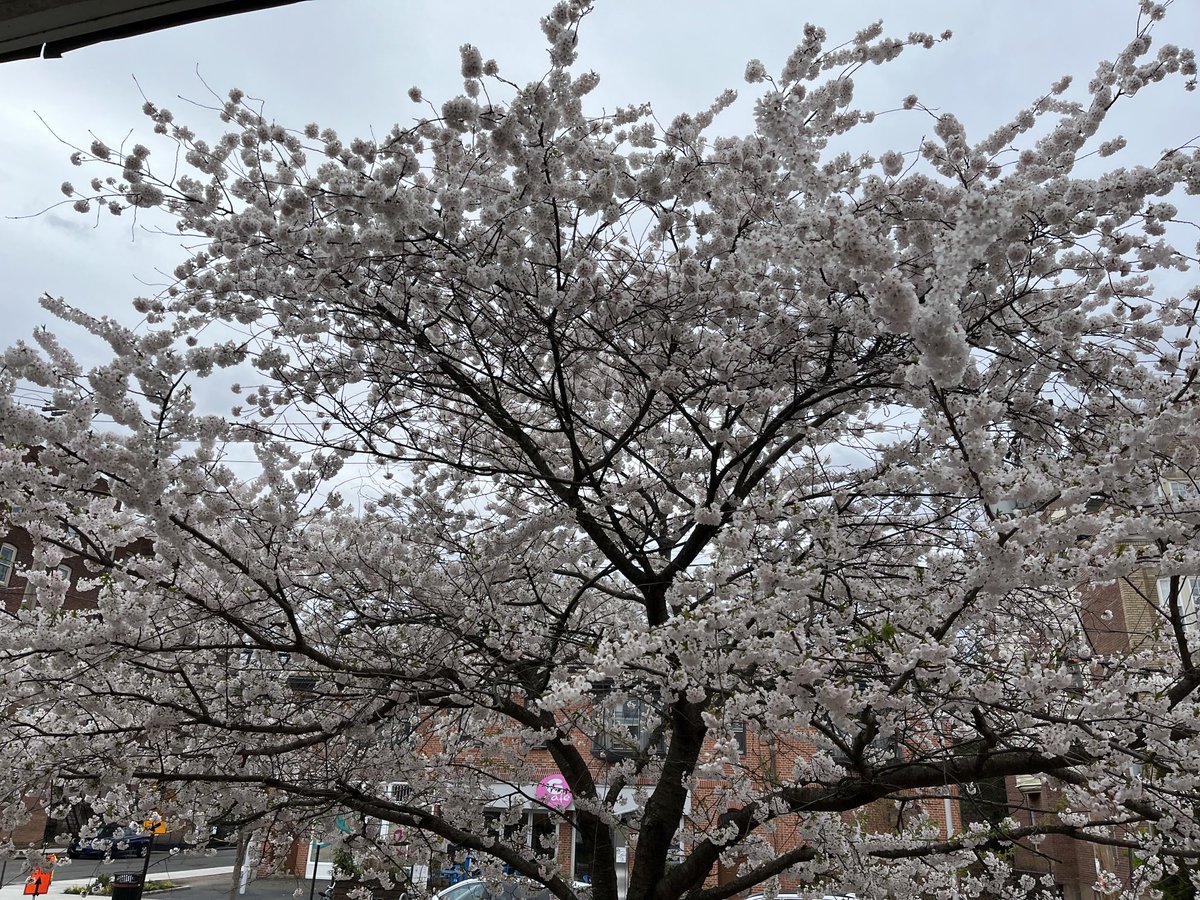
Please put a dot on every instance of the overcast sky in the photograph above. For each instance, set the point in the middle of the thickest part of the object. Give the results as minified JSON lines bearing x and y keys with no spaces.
{"x":348,"y":64}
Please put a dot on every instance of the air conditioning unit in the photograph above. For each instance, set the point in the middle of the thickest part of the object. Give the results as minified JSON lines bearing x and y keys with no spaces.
{"x":1029,"y":784}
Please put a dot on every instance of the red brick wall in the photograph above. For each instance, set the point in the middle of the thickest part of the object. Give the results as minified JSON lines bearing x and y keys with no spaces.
{"x":33,"y":832}
{"x":14,"y":592}
{"x":1104,"y":619}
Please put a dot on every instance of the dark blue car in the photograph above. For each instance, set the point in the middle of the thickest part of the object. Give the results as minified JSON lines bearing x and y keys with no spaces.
{"x":112,"y":842}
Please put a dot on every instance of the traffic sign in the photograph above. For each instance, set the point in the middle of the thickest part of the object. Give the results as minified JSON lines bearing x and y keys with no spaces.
{"x":38,"y":882}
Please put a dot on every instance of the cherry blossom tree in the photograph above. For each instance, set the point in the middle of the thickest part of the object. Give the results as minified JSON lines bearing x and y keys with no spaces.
{"x":821,"y":450}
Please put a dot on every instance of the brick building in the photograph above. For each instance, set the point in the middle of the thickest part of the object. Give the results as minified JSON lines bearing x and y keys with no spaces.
{"x":1116,"y":618}
{"x":16,"y":553}
{"x":530,"y":813}
{"x":517,"y":809}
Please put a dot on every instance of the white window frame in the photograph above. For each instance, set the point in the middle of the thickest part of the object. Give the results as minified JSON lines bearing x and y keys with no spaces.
{"x":1188,"y":590}
{"x":62,"y":572}
{"x":1180,"y":489}
{"x":397,"y":792}
{"x":8,"y":562}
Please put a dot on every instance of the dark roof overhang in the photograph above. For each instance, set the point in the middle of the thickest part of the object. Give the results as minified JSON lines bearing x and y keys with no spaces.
{"x":49,"y":28}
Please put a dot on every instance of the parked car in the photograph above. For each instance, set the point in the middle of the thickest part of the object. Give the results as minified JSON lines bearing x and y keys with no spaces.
{"x":803,"y":897}
{"x":510,"y":889}
{"x":471,"y":889}
{"x":111,"y":842}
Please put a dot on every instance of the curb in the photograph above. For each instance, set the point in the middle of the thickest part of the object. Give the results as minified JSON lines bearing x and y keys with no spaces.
{"x":170,"y":890}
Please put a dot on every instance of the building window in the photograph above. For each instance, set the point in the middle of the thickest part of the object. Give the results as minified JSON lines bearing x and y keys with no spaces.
{"x":881,"y":751}
{"x":390,"y":832}
{"x":1180,"y":490}
{"x":984,"y":803}
{"x":503,"y":827}
{"x":628,"y":727}
{"x":585,"y":849}
{"x":1186,"y":588}
{"x":8,"y":562}
{"x":261,"y":659}
{"x":534,"y":830}
{"x":543,"y":835}
{"x":31,"y":590}
{"x":627,"y":718}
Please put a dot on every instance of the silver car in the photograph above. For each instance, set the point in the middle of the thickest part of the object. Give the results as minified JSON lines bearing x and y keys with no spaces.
{"x":515,"y":889}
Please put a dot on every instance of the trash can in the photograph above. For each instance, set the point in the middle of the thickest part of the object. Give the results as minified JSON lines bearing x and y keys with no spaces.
{"x":127,"y":886}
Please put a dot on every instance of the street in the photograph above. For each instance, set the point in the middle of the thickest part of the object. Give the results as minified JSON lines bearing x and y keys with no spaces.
{"x":163,"y":864}
{"x":187,"y":868}
{"x":273,"y":888}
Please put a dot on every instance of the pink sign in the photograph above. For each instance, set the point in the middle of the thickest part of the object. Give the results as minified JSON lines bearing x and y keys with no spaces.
{"x":554,"y":792}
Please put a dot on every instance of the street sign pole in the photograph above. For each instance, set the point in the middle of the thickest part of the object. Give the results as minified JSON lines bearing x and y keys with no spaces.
{"x":146,"y":865}
{"x":316,"y":859}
